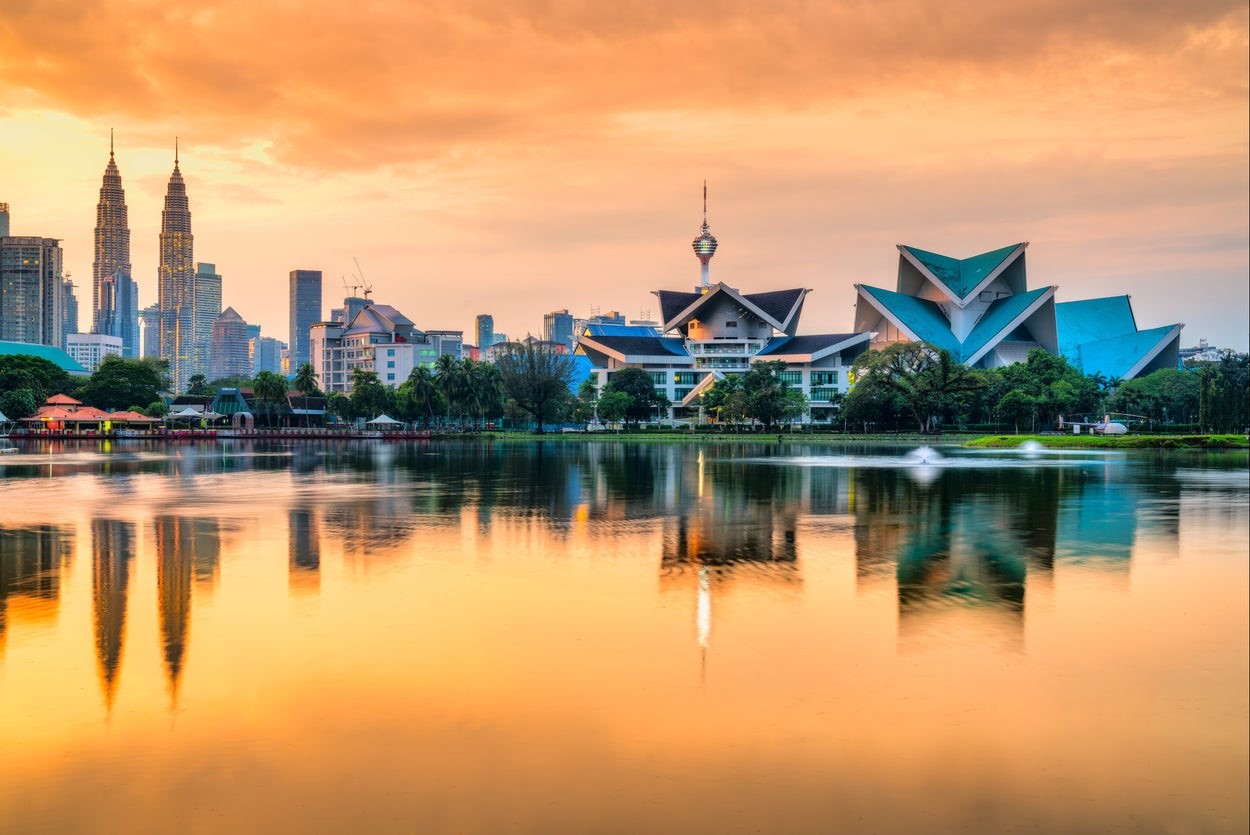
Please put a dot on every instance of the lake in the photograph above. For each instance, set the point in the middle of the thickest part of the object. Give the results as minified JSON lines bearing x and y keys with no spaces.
{"x":611,"y":637}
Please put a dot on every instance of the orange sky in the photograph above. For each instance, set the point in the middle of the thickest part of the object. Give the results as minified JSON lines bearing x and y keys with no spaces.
{"x":515,"y":158}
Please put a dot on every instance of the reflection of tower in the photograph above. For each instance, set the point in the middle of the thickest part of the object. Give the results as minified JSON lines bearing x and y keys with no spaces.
{"x":112,"y":546}
{"x":704,"y":246}
{"x":175,"y":550}
{"x":304,"y":550}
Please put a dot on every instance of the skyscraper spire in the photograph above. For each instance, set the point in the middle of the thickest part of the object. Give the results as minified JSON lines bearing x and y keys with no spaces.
{"x":176,"y":283}
{"x":114,"y":297}
{"x":175,"y":152}
{"x":704,"y":246}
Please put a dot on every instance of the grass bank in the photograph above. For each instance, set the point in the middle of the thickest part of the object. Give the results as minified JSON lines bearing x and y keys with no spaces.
{"x":715,"y":438}
{"x":1114,"y":441}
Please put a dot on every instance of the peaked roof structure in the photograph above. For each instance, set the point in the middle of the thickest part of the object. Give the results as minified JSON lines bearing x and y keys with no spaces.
{"x":1100,"y":336}
{"x":961,"y":278}
{"x":779,"y":308}
{"x":981,"y":311}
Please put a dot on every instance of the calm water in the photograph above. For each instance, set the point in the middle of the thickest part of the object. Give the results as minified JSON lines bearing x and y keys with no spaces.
{"x":622,"y":638}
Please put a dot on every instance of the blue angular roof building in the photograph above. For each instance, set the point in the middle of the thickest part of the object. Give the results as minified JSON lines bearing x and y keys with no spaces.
{"x":981,"y":310}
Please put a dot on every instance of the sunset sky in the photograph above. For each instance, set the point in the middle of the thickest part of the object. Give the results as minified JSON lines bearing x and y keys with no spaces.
{"x":513,"y":158}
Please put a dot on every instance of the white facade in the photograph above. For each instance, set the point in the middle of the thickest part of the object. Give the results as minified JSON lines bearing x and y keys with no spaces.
{"x":378,"y":339}
{"x":90,"y":349}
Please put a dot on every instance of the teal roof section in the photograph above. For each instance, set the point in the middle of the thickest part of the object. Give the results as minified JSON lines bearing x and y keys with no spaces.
{"x":961,"y":277}
{"x":1091,"y":320}
{"x":43,"y":352}
{"x":1115,"y":356}
{"x":920,"y":316}
{"x":996,"y":319}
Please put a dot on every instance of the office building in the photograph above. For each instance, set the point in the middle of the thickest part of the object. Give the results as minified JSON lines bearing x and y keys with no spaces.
{"x":90,"y":349}
{"x":4,"y":220}
{"x":485,"y":331}
{"x":558,"y":327}
{"x":150,"y":321}
{"x":31,"y":291}
{"x":114,"y":294}
{"x":266,"y":354}
{"x":305,"y":312}
{"x":69,"y":308}
{"x":207,"y":303}
{"x":176,"y":284}
{"x":378,"y":339}
{"x":228,"y":353}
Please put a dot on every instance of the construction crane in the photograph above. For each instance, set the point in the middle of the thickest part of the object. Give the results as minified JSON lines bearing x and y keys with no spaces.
{"x":360,"y":276}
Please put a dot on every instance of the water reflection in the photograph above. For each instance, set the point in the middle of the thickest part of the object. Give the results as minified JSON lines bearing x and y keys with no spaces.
{"x":32,"y":560}
{"x":187,"y":550}
{"x":112,"y":547}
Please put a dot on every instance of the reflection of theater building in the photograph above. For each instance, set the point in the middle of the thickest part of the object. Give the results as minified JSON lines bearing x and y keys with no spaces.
{"x":304,"y":549}
{"x":31,"y":561}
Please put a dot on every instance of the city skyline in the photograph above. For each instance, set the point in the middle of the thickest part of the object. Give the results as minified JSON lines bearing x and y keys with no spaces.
{"x":1114,"y":139}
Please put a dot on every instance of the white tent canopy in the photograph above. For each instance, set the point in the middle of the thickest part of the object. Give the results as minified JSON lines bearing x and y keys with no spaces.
{"x":187,"y":413}
{"x":383,"y":420}
{"x":3,"y":419}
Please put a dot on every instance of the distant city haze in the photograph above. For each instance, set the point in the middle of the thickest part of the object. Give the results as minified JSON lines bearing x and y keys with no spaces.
{"x":552,"y":155}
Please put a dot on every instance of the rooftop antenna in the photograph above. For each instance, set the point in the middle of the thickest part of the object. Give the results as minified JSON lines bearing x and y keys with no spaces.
{"x":176,"y":154}
{"x":111,"y":143}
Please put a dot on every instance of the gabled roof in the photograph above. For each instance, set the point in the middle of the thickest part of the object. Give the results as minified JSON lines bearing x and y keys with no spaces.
{"x":998,"y":320}
{"x":924,"y":320}
{"x":1122,"y":357}
{"x":673,"y":302}
{"x":648,"y":346}
{"x":62,"y":400}
{"x":613,"y":329}
{"x":811,"y":346}
{"x":772,"y":303}
{"x":960,"y":277}
{"x":1089,"y":320}
{"x":779,"y":304}
{"x":920,"y":318}
{"x":378,"y":318}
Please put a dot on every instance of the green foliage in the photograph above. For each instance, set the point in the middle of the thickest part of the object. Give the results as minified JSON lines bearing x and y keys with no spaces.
{"x":369,"y":397}
{"x":157,"y":408}
{"x":1168,"y":395}
{"x":643,"y":398}
{"x":584,"y":409}
{"x":270,"y":387}
{"x":306,"y":380}
{"x":1015,"y":407}
{"x":41,"y":377}
{"x":766,"y":398}
{"x":197,"y":384}
{"x":927,"y":379}
{"x":1224,"y":394}
{"x":340,"y":405}
{"x":418,"y":396}
{"x":536,"y":379}
{"x":726,"y":401}
{"x":614,"y":406}
{"x":118,"y":382}
{"x":18,"y":403}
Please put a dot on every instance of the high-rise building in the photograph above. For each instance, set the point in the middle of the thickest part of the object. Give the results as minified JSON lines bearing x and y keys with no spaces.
{"x":176,"y":284}
{"x":117,"y":310}
{"x":228,"y":354}
{"x":69,"y":309}
{"x":90,"y":349}
{"x":305,"y":312}
{"x":150,"y":317}
{"x":207,"y":301}
{"x":266,"y":354}
{"x":31,"y":291}
{"x":4,"y":220}
{"x":114,"y":295}
{"x":485,"y":331}
{"x":558,"y":327}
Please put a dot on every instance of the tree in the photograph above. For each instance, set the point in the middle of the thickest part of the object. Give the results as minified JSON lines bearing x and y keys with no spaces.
{"x":584,"y":409}
{"x":418,"y":395}
{"x":725,"y":400}
{"x":340,"y":405}
{"x":1014,"y":406}
{"x":157,"y":408}
{"x":927,"y":379}
{"x":537,"y":379}
{"x":18,"y":403}
{"x":768,"y":399}
{"x":613,"y":406}
{"x":1167,"y":396}
{"x":306,"y":380}
{"x":270,"y":387}
{"x":42,"y":377}
{"x":450,"y":378}
{"x":197,"y":384}
{"x":638,"y":384}
{"x":369,"y":397}
{"x":118,"y":382}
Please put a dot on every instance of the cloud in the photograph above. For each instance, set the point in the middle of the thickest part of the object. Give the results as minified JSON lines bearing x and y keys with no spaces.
{"x":338,"y":86}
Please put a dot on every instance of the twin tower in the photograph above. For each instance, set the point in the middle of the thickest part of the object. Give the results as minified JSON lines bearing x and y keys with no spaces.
{"x":182,"y":308}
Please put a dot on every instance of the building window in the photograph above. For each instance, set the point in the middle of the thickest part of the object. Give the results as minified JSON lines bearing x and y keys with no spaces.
{"x":390,"y":376}
{"x":390,"y":352}
{"x":731,"y":323}
{"x":824,"y":378}
{"x":659,"y":378}
{"x":391,"y":364}
{"x":686,"y":378}
{"x":790,"y":378}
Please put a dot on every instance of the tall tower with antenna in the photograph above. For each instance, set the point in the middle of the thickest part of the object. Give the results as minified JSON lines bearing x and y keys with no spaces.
{"x":704,"y":246}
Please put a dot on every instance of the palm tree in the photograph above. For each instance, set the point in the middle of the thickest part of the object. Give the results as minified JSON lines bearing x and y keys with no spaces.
{"x":270,"y":388}
{"x":306,"y":380}
{"x":423,"y":391}
{"x":449,"y":376}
